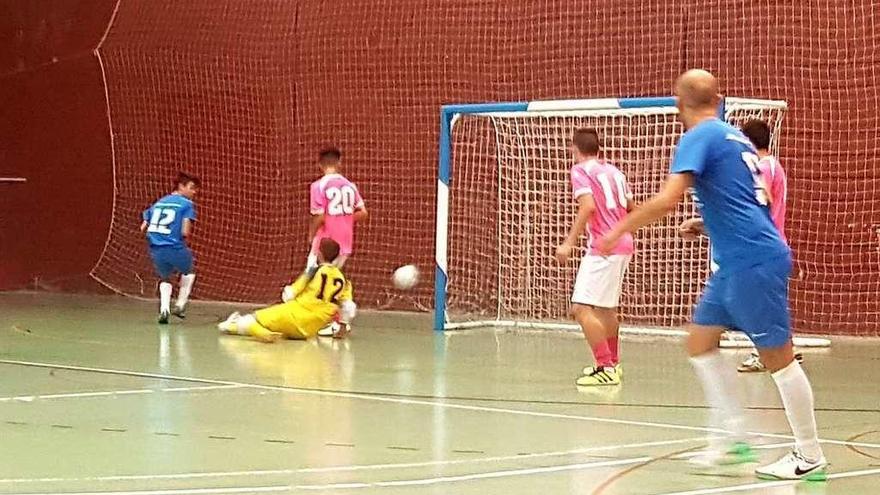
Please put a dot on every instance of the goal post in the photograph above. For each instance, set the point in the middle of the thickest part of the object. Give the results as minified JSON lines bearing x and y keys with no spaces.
{"x":503,"y":204}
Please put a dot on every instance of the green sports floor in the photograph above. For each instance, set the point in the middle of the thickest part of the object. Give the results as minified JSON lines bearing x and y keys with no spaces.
{"x":97,"y":398}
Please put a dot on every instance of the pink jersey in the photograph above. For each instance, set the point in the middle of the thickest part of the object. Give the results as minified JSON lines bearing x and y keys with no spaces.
{"x":611,"y":194}
{"x":336,"y":198}
{"x":774,"y":179}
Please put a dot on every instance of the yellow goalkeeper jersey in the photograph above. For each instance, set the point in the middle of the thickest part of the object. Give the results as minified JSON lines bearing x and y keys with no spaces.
{"x":318,"y":294}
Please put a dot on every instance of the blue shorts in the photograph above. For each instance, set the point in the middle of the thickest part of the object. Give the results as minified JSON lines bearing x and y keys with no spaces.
{"x":753,"y":300}
{"x":170,"y":259}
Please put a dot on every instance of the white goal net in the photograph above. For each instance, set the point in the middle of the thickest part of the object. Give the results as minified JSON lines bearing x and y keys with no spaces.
{"x":510,"y":205}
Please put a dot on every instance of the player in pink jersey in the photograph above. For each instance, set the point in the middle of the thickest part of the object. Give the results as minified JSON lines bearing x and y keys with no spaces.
{"x":335,"y":205}
{"x":604,"y":199}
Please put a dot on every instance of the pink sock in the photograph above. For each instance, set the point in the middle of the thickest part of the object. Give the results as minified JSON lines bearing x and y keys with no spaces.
{"x":614,"y":347}
{"x":603,"y":354}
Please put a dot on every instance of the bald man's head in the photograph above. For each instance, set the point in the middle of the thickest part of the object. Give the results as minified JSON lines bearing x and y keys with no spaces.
{"x":697,"y":88}
{"x":697,"y":92}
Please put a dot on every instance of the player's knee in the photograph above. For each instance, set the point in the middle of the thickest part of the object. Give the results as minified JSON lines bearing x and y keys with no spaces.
{"x":579,"y":310}
{"x":702,"y":339}
{"x":777,"y":358}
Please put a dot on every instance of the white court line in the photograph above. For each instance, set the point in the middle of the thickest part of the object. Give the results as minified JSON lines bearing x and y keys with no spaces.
{"x":393,"y":483}
{"x":478,"y":476}
{"x":178,"y":491}
{"x":397,"y":400}
{"x":771,"y":484}
{"x":361,"y":467}
{"x":77,"y":395}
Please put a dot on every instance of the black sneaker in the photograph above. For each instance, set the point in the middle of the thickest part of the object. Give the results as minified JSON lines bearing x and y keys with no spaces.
{"x":163,"y":318}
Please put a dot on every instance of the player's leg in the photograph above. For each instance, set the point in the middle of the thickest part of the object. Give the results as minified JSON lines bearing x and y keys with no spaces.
{"x":611,"y":324}
{"x":595,"y":288}
{"x":717,"y":378}
{"x":248,"y":325}
{"x":164,"y":268}
{"x":762,"y":294}
{"x":184,"y":264}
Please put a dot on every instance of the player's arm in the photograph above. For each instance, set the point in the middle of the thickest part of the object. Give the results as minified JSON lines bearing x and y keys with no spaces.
{"x":360,"y":214}
{"x":689,"y":160}
{"x":145,"y":217}
{"x":666,"y":200}
{"x":298,"y":286}
{"x":586,"y":208}
{"x":316,"y":208}
{"x":189,"y":217}
{"x":187,"y":228}
{"x":360,"y":210}
{"x":315,"y":224}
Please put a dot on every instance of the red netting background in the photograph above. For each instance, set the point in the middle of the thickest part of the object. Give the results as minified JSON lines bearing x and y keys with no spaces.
{"x":244,"y":93}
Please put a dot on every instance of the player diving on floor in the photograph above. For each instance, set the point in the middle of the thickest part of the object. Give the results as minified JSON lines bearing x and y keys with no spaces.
{"x":309,"y":304}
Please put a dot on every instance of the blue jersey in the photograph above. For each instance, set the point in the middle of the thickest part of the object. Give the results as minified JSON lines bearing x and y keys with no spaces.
{"x":731,"y":197}
{"x":165,"y":220}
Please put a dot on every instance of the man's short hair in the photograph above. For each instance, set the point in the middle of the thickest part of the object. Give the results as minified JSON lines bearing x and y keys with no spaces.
{"x":758,"y":133}
{"x":586,"y":140}
{"x":329,"y":249}
{"x":184,"y":178}
{"x":329,"y":156}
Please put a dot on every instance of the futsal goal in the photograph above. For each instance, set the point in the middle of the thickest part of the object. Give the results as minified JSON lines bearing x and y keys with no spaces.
{"x":504,"y":204}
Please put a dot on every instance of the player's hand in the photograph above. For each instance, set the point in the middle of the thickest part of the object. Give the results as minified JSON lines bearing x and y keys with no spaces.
{"x":691,"y":229}
{"x":606,"y":244}
{"x":563,"y":252}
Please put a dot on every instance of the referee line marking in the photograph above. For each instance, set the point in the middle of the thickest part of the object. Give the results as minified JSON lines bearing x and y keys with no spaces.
{"x":105,"y":393}
{"x":360,"y":467}
{"x":772,"y":484}
{"x":397,"y":400}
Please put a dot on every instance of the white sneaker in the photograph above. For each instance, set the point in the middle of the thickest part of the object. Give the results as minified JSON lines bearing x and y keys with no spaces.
{"x":794,"y":466}
{"x":228,"y":325}
{"x":588,"y":370}
{"x":329,"y":330}
{"x":752,"y":364}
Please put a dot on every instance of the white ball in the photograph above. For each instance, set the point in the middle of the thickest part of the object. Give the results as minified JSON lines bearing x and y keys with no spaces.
{"x":406,"y":277}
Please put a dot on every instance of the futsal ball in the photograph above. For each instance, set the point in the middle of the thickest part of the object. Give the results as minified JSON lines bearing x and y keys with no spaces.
{"x":406,"y":277}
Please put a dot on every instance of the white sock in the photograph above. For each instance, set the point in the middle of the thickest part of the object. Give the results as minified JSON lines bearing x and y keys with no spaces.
{"x":186,"y":285}
{"x":244,"y":323}
{"x":165,"y":297}
{"x":719,"y":386}
{"x":797,"y":397}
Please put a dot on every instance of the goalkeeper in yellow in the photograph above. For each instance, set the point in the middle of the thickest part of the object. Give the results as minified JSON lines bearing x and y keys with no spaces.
{"x":310,"y":303}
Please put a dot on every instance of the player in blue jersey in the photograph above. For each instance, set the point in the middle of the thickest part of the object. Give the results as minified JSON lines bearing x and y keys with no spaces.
{"x":168,"y":223}
{"x":748,"y":292}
